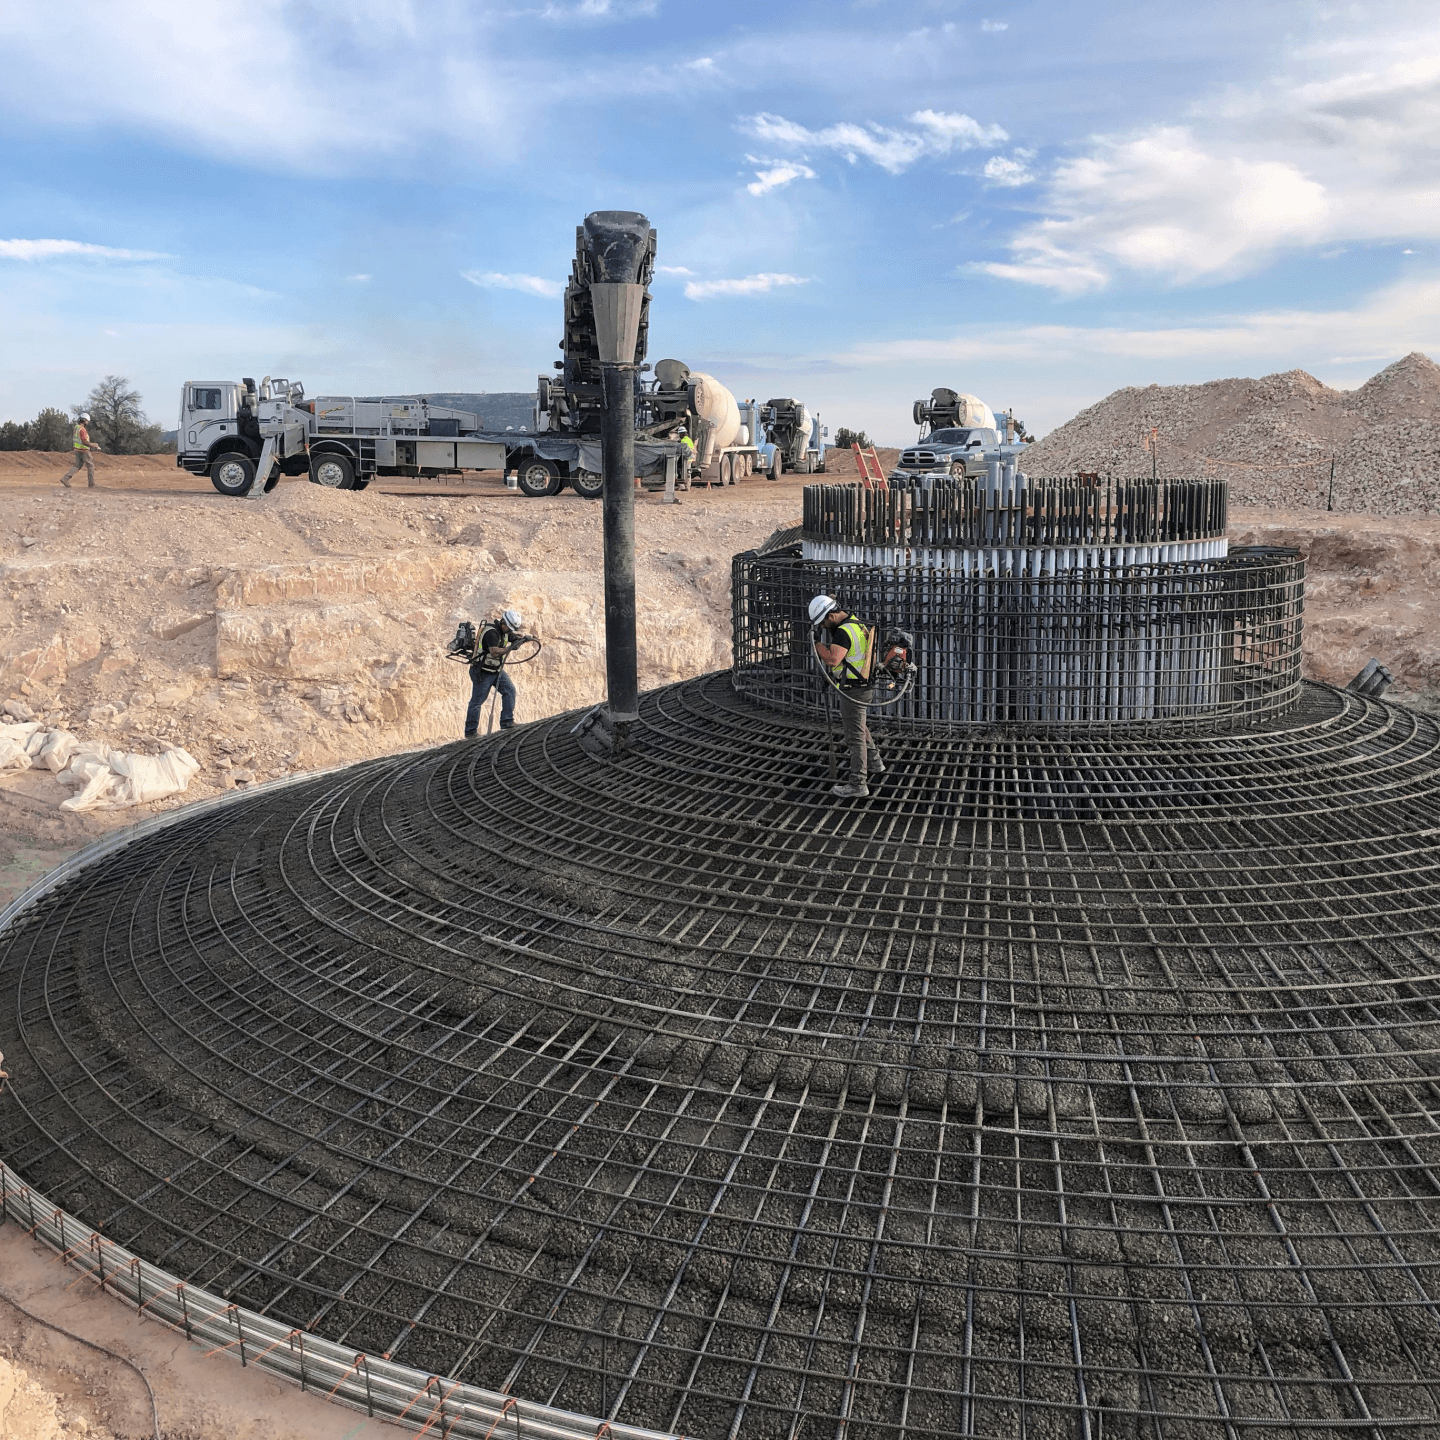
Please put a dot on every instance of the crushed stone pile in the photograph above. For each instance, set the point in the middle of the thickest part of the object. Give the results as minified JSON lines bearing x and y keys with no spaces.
{"x":1271,"y":438}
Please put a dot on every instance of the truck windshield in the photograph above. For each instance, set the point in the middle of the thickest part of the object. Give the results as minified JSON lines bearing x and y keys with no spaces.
{"x":205,"y":399}
{"x":949,"y":437}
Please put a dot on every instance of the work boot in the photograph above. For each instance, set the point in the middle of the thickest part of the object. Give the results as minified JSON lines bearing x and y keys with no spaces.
{"x":64,"y":480}
{"x":874,"y":765}
{"x":851,"y":790}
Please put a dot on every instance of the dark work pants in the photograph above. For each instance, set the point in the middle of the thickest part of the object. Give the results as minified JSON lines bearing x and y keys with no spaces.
{"x":481,"y":683}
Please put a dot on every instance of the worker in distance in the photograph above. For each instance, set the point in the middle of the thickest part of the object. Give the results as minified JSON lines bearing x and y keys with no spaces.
{"x":81,"y":444}
{"x":687,"y":457}
{"x":492,"y":647}
{"x":845,"y":646}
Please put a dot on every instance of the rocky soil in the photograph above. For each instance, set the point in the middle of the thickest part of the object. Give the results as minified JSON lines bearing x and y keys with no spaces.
{"x":1272,"y":438}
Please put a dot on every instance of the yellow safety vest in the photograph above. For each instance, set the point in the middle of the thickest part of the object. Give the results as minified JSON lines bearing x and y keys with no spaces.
{"x":688,"y":446}
{"x":76,"y":442}
{"x":854,"y":669}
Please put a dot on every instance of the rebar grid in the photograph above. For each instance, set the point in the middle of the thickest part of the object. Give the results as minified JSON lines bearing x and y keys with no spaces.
{"x":1197,"y":644}
{"x":1070,"y":1086}
{"x":1016,"y":512}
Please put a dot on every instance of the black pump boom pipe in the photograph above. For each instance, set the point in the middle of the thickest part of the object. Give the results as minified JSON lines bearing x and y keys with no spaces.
{"x":617,"y":442}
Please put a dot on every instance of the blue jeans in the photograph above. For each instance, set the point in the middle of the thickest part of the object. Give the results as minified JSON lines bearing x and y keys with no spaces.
{"x":481,"y":683}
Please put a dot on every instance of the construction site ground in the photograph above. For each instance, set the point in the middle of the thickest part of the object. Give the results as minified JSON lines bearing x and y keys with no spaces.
{"x":306,"y":629}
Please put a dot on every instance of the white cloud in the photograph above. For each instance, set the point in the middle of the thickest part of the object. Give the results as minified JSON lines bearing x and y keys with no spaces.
{"x":50,"y":249}
{"x":529,"y":284}
{"x":1390,"y":323}
{"x":1010,"y":170}
{"x":673,"y":270}
{"x":293,"y":87}
{"x":773,"y":176}
{"x":1346,"y":152}
{"x":360,"y":279}
{"x":749,"y":285}
{"x":993,"y":27}
{"x":932,"y":132}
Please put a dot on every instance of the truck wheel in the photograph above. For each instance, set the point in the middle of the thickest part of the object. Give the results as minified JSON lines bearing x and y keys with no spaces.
{"x":335,"y":472}
{"x":587,"y":484}
{"x":727,"y":470}
{"x":538,"y":478}
{"x":232,"y":473}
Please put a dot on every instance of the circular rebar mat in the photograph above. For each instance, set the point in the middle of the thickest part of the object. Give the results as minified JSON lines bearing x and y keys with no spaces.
{"x":1062,"y":1088}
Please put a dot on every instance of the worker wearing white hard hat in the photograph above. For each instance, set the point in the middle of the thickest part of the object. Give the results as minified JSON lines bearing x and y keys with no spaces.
{"x":82,"y":446}
{"x":846,"y":647}
{"x":498,"y":639}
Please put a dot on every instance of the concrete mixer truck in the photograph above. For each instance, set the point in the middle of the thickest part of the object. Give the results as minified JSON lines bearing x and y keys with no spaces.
{"x":959,"y":436}
{"x":733,"y":438}
{"x":797,"y":434}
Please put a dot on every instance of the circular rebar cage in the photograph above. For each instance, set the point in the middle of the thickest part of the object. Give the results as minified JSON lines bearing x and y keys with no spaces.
{"x":1075,"y":1085}
{"x":1194,"y":644}
{"x":1014,"y":523}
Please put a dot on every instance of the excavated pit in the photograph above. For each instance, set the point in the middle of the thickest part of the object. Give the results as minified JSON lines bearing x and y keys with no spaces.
{"x":1065,"y":1087}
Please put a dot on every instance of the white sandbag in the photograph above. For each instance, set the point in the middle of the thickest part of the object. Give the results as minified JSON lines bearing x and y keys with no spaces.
{"x":84,"y":766}
{"x":99,"y":786}
{"x":20,"y":732}
{"x":12,"y":754}
{"x":55,"y":754}
{"x":33,"y":744}
{"x":134,"y":780}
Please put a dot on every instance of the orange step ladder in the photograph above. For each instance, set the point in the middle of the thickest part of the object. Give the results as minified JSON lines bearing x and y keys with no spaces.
{"x":872,"y":473}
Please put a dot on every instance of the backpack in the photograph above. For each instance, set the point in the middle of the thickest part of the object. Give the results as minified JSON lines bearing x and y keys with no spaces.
{"x":465,"y":643}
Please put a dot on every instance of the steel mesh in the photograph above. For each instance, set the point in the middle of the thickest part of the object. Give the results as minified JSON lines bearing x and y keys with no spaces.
{"x":1195,"y":644}
{"x":1074,"y":1085}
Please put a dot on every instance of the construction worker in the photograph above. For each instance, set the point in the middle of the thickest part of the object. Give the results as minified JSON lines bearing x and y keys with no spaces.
{"x":80,"y":443}
{"x":846,"y":647}
{"x":487,"y":671}
{"x":687,"y":457}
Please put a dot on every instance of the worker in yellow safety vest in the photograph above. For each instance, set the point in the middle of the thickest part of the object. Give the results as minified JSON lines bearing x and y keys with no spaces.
{"x":687,"y":457}
{"x":846,"y":647}
{"x":80,"y":444}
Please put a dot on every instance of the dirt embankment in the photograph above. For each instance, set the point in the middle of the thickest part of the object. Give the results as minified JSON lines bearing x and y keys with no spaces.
{"x":1372,"y":589}
{"x":307,"y":628}
{"x":1271,"y":438}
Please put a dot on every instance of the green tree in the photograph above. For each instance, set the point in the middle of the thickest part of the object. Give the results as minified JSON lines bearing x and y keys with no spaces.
{"x":49,"y":430}
{"x":117,"y":423}
{"x":845,"y":438}
{"x":14,"y":435}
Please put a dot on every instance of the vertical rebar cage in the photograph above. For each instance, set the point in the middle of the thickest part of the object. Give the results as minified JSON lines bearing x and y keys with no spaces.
{"x":1056,"y":606}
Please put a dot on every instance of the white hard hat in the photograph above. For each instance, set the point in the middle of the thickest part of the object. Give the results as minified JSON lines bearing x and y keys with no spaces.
{"x":85,"y":416}
{"x":820,"y":607}
{"x":512,"y":620}
{"x":682,"y":431}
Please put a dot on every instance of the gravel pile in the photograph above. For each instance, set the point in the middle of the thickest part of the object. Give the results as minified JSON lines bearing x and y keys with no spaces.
{"x":1272,"y":438}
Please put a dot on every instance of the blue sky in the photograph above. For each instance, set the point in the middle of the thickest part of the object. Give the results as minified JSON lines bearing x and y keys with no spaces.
{"x":856,"y":202}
